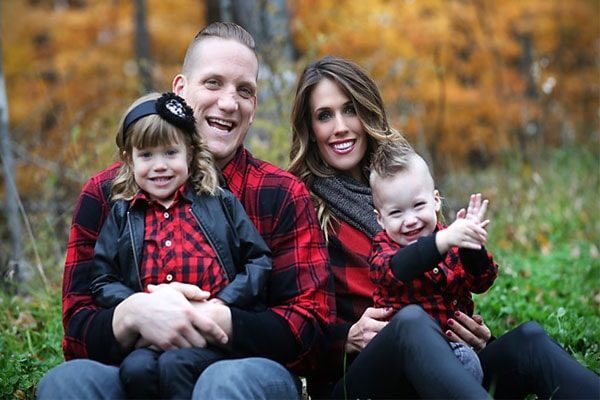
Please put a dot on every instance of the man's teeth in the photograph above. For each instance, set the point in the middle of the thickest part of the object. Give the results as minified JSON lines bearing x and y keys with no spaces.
{"x":221,"y":122}
{"x":343,"y":146}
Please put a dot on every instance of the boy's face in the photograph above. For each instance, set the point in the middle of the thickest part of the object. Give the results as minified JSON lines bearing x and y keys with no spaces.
{"x":221,"y":89}
{"x":160,"y":170}
{"x":407,"y":204}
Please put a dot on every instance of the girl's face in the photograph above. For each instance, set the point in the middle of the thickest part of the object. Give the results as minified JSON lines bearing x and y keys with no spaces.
{"x":161,"y":170}
{"x":339,"y":134}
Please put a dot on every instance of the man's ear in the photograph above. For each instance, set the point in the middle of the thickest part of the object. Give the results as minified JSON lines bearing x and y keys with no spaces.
{"x":437,"y":199}
{"x":178,"y":84}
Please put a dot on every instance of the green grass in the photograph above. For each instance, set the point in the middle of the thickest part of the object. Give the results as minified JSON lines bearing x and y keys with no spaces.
{"x":30,"y":341}
{"x":545,"y":235}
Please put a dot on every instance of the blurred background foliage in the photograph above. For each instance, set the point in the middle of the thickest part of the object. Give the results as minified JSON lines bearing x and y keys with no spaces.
{"x":501,"y":97}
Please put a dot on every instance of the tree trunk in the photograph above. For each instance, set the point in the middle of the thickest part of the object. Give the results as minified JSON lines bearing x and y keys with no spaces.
{"x":12,"y":196}
{"x":142,"y":47}
{"x":268,"y":22}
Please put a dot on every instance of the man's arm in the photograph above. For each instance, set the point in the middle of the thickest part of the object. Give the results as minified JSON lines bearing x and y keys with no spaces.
{"x":79,"y":310}
{"x":300,"y":299}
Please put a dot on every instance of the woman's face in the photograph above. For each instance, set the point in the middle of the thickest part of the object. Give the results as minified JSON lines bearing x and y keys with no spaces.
{"x":339,"y":134}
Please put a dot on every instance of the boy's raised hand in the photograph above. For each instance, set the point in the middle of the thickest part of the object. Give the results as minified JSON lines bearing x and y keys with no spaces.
{"x":462,"y":233}
{"x":477,"y":209}
{"x":468,"y":230}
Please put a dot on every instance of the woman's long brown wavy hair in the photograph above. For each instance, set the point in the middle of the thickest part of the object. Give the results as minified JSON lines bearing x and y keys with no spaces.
{"x":305,"y":160}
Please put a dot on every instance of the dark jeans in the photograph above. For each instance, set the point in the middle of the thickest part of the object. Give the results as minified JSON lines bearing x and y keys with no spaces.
{"x":150,"y":374}
{"x":410,"y":358}
{"x":527,"y":361}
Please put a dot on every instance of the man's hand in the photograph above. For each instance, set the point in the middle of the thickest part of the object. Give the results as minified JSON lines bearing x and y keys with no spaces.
{"x":471,"y":331}
{"x":165,"y":318}
{"x":191,"y":292}
{"x":370,"y":323}
{"x":218,"y":312}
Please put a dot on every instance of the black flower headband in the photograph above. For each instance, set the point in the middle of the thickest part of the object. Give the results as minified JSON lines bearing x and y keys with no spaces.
{"x":170,"y":107}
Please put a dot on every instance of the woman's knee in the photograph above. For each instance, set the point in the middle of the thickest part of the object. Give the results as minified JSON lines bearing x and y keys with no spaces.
{"x":529,"y":332}
{"x":411,"y":317}
{"x":410,"y":314}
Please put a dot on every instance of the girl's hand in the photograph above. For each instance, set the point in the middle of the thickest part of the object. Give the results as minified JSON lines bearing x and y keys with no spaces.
{"x":370,"y":323}
{"x":471,"y":331}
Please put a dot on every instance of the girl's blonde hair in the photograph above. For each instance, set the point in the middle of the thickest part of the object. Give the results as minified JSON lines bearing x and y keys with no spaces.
{"x":153,"y":130}
{"x":305,"y":160}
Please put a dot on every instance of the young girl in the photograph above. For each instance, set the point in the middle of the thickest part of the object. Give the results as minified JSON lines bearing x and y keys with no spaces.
{"x":417,"y":260}
{"x":171,"y":222}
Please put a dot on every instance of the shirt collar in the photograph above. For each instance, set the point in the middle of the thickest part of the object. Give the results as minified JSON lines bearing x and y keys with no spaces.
{"x":235,"y":170}
{"x":142,"y":196}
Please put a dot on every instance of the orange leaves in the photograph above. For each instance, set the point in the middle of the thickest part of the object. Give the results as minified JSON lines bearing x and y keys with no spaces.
{"x":68,"y":69}
{"x":479,"y":72}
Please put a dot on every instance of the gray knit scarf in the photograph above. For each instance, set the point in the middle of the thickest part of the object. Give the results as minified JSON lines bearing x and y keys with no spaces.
{"x":349,"y":200}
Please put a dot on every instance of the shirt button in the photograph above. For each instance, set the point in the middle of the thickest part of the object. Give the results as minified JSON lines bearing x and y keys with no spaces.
{"x":169,"y":277}
{"x":436,"y":270}
{"x":454,"y":302}
{"x":168,"y":243}
{"x":166,"y":214}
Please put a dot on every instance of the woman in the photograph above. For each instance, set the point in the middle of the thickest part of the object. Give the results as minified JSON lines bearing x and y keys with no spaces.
{"x":338,"y":119}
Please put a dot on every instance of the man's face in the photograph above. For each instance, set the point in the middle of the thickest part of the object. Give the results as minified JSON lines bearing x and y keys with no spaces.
{"x":221,"y":88}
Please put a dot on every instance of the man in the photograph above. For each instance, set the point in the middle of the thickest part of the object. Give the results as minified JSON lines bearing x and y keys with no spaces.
{"x":219,"y":81}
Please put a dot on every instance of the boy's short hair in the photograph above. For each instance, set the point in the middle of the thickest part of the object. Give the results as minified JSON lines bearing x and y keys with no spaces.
{"x":390,"y":158}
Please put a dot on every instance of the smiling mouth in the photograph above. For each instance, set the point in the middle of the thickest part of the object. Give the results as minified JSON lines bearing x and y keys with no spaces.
{"x":161,"y":179}
{"x":412,"y":233}
{"x":220,"y":124}
{"x":343,"y":147}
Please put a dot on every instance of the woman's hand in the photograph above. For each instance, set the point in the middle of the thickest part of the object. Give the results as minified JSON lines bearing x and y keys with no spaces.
{"x":370,"y":323}
{"x":471,"y":331}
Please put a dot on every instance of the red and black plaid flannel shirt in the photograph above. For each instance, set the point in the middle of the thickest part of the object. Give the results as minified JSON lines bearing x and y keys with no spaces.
{"x":300,"y":296}
{"x":175,"y":249}
{"x":349,"y":251}
{"x":444,"y":288}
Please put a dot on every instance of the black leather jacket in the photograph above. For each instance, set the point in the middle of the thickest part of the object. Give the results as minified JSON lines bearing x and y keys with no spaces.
{"x":240,"y":250}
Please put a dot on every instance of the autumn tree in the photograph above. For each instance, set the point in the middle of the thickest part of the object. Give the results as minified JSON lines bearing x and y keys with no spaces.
{"x":11,"y":194}
{"x":468,"y":81}
{"x":268,"y":21}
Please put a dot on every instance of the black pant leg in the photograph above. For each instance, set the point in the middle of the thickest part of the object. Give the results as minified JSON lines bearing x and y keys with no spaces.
{"x":179,"y":370}
{"x":527,"y":361}
{"x":409,"y":358}
{"x":139,"y":374}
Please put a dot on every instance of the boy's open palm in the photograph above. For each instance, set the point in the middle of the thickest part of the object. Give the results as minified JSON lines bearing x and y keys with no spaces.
{"x":477,"y":209}
{"x":468,"y":230}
